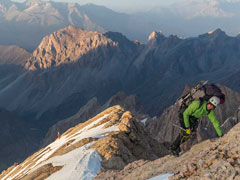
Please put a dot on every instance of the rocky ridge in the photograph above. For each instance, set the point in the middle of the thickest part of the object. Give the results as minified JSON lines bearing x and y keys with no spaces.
{"x":92,"y":108}
{"x":211,"y":159}
{"x":122,"y":140}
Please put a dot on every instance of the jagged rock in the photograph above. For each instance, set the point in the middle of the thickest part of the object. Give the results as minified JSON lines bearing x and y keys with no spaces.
{"x":133,"y":142}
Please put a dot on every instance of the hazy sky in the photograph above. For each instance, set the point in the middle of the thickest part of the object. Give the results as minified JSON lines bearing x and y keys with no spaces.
{"x":123,"y":5}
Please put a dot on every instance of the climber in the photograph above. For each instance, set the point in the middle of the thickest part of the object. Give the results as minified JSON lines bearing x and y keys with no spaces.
{"x":189,"y":120}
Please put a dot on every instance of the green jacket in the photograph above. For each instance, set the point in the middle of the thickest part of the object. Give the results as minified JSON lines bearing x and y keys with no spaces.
{"x":194,"y":110}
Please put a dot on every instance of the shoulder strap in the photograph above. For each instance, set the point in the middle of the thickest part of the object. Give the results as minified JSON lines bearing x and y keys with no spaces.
{"x":200,"y":104}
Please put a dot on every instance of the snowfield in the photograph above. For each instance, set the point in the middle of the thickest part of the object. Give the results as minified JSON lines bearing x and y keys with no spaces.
{"x":79,"y":164}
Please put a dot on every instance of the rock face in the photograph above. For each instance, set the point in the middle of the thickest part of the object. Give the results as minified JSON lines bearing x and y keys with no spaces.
{"x":68,"y":46}
{"x":116,"y":134}
{"x":215,"y":159}
{"x":163,"y":128}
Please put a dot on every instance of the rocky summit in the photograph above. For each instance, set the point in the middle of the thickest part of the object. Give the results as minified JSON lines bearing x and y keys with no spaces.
{"x":110,"y":140}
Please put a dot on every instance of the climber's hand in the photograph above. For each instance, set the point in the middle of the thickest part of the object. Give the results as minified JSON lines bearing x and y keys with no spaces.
{"x":188,"y":131}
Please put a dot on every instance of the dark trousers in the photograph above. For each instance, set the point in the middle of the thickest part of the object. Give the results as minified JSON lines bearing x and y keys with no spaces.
{"x":183,"y":137}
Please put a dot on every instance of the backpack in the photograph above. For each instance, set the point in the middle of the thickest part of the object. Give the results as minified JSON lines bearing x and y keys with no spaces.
{"x":212,"y":90}
{"x":203,"y":92}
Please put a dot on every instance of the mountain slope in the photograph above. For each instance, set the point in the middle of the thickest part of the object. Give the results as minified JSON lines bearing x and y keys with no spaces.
{"x":75,"y":64}
{"x":215,"y":159}
{"x":17,"y":140}
{"x":13,"y":55}
{"x":114,"y":134}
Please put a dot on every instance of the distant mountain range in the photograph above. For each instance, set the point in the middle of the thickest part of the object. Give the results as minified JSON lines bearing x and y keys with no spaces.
{"x":25,"y":24}
{"x":73,"y":65}
{"x":193,"y":17}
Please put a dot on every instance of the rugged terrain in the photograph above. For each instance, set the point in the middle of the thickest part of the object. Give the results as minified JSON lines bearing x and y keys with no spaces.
{"x":217,"y":158}
{"x":72,"y":66}
{"x":120,"y":147}
{"x":117,"y":137}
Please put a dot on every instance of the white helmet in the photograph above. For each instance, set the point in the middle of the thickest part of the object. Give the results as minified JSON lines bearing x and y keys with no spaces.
{"x":214,"y":101}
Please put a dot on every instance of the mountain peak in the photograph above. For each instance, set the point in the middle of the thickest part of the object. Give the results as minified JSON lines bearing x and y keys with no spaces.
{"x":155,"y":38}
{"x":217,"y":32}
{"x":214,"y":34}
{"x":72,"y":28}
{"x":70,"y":44}
{"x":155,"y":35}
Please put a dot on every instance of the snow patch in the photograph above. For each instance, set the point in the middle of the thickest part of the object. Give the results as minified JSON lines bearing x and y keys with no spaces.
{"x":81,"y":163}
{"x":210,"y":32}
{"x":162,"y":177}
{"x":144,"y":121}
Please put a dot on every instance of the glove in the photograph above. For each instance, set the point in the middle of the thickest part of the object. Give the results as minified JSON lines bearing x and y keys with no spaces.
{"x":188,"y":131}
